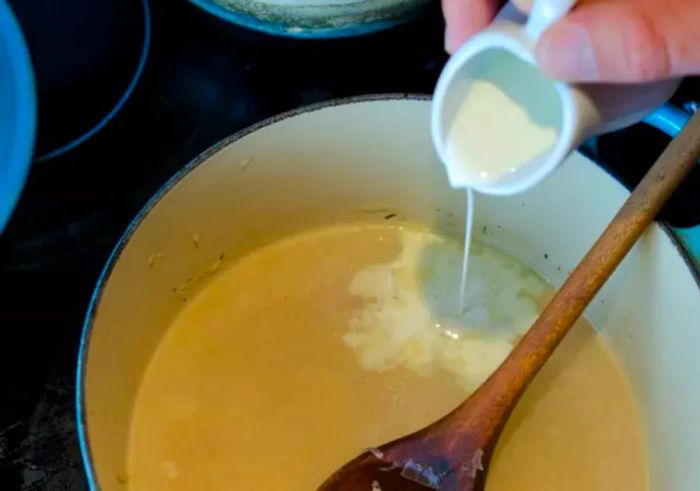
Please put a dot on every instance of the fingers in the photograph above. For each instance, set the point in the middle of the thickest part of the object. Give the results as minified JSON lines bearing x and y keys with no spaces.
{"x":601,"y":40}
{"x":464,"y":18}
{"x":523,"y":5}
{"x":618,"y":41}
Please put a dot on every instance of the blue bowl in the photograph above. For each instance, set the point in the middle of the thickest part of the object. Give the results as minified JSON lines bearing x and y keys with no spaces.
{"x":17,"y":112}
{"x":314,"y":19}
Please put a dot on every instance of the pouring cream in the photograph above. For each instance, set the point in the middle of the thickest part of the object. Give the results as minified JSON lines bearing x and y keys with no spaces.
{"x":491,"y":135}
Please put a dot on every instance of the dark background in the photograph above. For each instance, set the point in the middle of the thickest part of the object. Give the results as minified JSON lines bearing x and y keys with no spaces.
{"x":203,"y":81}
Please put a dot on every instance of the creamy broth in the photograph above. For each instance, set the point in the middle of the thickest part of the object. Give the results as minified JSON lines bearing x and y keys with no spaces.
{"x":272,"y":376}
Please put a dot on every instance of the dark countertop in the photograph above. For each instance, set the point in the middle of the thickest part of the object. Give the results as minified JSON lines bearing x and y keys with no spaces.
{"x":203,"y":80}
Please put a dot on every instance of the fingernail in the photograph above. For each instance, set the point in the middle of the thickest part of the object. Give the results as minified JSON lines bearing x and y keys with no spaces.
{"x":567,"y":53}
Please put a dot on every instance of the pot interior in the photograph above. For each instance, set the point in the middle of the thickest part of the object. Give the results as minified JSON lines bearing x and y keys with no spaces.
{"x":360,"y":161}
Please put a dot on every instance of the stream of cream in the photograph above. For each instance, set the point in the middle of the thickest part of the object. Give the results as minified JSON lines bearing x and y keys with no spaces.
{"x":468,"y":225}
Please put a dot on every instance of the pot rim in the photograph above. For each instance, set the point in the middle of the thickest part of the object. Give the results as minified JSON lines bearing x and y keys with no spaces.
{"x":81,"y":423}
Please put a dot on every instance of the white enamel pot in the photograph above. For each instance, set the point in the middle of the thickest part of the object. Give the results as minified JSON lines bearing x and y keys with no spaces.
{"x":334,"y":163}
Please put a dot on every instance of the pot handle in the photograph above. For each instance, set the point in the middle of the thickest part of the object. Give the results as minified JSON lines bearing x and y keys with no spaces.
{"x":670,"y":120}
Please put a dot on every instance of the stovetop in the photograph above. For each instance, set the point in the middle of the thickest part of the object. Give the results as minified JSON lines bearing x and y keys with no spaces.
{"x":203,"y":81}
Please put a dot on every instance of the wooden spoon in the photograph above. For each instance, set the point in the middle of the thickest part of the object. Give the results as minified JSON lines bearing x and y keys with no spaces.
{"x":454,"y":452}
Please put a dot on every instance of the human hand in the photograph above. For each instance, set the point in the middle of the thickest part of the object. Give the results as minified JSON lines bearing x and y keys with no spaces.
{"x":600,"y":40}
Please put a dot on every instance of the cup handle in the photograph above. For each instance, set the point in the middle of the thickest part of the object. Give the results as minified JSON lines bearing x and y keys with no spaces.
{"x":545,"y":13}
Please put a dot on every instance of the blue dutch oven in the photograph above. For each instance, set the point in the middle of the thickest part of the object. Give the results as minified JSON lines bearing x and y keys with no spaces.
{"x":17,"y":112}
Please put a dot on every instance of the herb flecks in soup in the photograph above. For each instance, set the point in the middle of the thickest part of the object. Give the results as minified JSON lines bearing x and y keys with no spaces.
{"x":307,"y":351}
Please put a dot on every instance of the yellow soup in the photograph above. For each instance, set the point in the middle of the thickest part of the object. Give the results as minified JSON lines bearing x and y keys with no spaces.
{"x":307,"y":351}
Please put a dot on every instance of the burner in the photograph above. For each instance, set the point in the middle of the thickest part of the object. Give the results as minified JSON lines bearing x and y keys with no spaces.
{"x":87,"y":58}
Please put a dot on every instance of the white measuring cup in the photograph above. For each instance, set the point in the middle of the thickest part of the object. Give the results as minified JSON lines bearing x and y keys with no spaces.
{"x":504,"y":55}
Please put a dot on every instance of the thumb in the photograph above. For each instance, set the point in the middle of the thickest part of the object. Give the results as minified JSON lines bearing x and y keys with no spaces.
{"x":605,"y":42}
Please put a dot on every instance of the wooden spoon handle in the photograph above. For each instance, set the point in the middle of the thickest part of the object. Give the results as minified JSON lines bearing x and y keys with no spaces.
{"x":497,"y":397}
